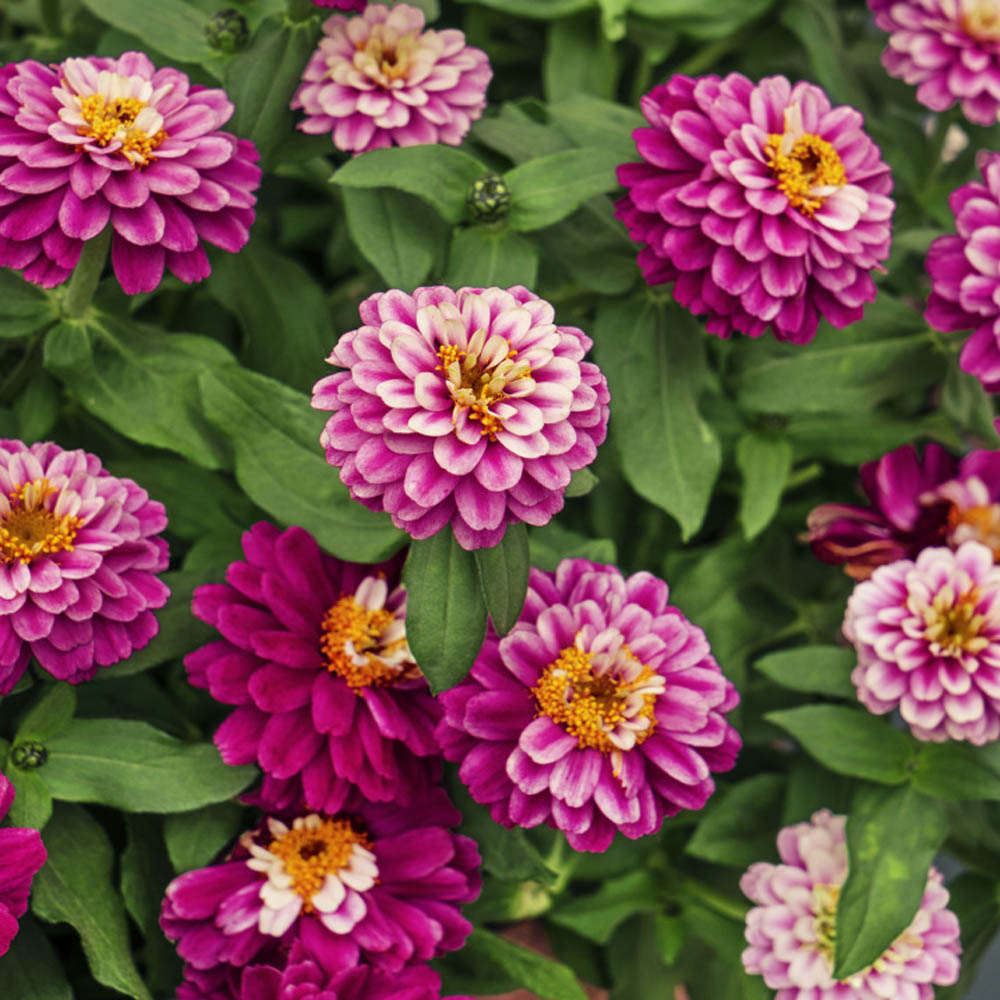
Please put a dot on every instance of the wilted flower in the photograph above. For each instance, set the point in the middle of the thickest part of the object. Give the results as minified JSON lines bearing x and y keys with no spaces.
{"x":95,"y":141}
{"x":949,"y":48}
{"x":602,"y":710}
{"x":469,"y":407}
{"x":380,"y":884}
{"x":79,"y":554}
{"x":927,"y":636}
{"x":313,"y":654}
{"x":765,"y":206}
{"x":791,"y":932}
{"x":965,"y":273}
{"x":380,"y":79}
{"x":21,"y":855}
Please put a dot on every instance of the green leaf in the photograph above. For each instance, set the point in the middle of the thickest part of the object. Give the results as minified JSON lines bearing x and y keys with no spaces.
{"x":32,"y":805}
{"x":399,"y":235}
{"x":132,"y":766}
{"x":892,"y":837}
{"x":850,"y":741}
{"x":958,"y":771}
{"x":516,"y":134}
{"x":139,"y":380}
{"x":765,"y":461}
{"x":701,"y":20}
{"x":503,"y":577}
{"x":37,"y":407}
{"x":483,"y":256}
{"x":274,"y":435}
{"x":655,"y":364}
{"x":669,"y":931}
{"x":50,"y":715}
{"x":547,"y":189}
{"x":173,"y":27}
{"x":578,"y":60}
{"x":261,"y":80}
{"x":590,"y":121}
{"x":194,"y":839}
{"x":598,"y":915}
{"x":581,"y":483}
{"x":31,"y":970}
{"x":738,"y":827}
{"x":636,"y":963}
{"x":445,"y":613}
{"x":818,"y":669}
{"x":541,"y":9}
{"x":552,"y":543}
{"x":965,"y":400}
{"x":441,"y":175}
{"x":74,"y":885}
{"x":24,"y":308}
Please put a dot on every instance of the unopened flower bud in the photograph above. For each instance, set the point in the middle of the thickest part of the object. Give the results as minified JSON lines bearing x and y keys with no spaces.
{"x":226,"y":30}
{"x":489,"y":198}
{"x":28,"y":754}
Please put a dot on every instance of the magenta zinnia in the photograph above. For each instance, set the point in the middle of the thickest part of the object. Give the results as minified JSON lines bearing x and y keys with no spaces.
{"x":602,"y":710}
{"x":79,"y":554}
{"x":313,"y":654}
{"x":791,"y":930}
{"x":21,"y":855}
{"x":95,"y":141}
{"x":379,"y":79}
{"x":965,"y":273}
{"x":949,"y":49}
{"x":380,"y":884}
{"x":927,"y":634}
{"x":470,"y":408}
{"x":765,"y":206}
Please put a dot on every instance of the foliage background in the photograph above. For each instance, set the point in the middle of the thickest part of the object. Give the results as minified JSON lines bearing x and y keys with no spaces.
{"x":717,"y":452}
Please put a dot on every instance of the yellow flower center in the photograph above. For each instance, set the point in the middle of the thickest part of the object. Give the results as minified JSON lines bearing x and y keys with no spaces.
{"x":28,"y":530}
{"x":980,"y":19}
{"x":809,"y":163}
{"x":352,"y":641}
{"x":311,"y":852}
{"x":952,"y":625}
{"x":116,"y":119}
{"x":977,"y":524}
{"x":477,"y":384}
{"x":596,"y":707}
{"x":386,"y":55}
{"x":825,"y":898}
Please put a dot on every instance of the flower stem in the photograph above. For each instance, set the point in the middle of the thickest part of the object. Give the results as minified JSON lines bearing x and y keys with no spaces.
{"x":50,"y":17}
{"x":86,"y":274}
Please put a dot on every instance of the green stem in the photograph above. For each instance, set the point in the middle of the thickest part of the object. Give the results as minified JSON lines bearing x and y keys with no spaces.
{"x":86,"y":274}
{"x":723,"y":905}
{"x":50,"y":17}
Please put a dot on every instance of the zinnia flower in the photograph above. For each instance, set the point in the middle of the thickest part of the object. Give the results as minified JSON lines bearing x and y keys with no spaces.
{"x":791,"y":930}
{"x":380,"y":884}
{"x":949,"y":48}
{"x":915,"y":503}
{"x":380,"y":79}
{"x":764,"y":205}
{"x":965,"y":273}
{"x":96,"y":140}
{"x":602,"y":710}
{"x":469,"y":407}
{"x":927,"y":635}
{"x":79,"y":554}
{"x":313,"y":654}
{"x":21,"y":855}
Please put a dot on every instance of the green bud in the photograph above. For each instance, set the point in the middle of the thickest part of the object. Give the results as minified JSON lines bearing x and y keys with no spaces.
{"x":28,"y":754}
{"x":489,"y":198}
{"x":226,"y":30}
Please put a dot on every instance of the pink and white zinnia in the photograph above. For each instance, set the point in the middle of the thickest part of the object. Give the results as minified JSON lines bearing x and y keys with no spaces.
{"x":791,"y":930}
{"x":927,"y":635}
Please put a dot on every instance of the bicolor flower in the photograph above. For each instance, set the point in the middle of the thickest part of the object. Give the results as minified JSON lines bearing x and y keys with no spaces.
{"x":765,"y":206}
{"x":79,"y":554}
{"x":21,"y":855}
{"x":603,"y":710}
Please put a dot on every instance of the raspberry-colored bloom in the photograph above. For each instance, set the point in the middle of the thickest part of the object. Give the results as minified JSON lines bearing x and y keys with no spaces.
{"x":927,"y":634}
{"x":915,"y":503}
{"x":602,"y":710}
{"x":469,"y":407}
{"x":791,"y":930}
{"x":380,"y":884}
{"x":96,"y":140}
{"x":313,"y":654}
{"x":379,"y":79}
{"x":765,"y":206}
{"x":965,"y":273}
{"x":21,"y":855}
{"x":949,"y":49}
{"x":79,"y":554}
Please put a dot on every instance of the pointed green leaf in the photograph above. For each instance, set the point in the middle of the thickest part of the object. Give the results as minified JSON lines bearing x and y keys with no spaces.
{"x":32,"y":805}
{"x":818,"y":669}
{"x":50,"y":714}
{"x":957,"y":771}
{"x":738,"y":827}
{"x":173,"y":27}
{"x":596,"y":916}
{"x":194,"y":839}
{"x":31,"y":970}
{"x":765,"y":461}
{"x":481,"y":256}
{"x":503,"y":576}
{"x":24,"y":308}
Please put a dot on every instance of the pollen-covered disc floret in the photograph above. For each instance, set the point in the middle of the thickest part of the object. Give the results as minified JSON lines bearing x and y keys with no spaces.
{"x":379,"y":884}
{"x":79,"y":554}
{"x":92,"y":142}
{"x":766,"y":207}
{"x":313,"y":655}
{"x":468,"y":407}
{"x":927,"y":635}
{"x":602,"y":710}
{"x":791,"y":932}
{"x":381,"y":79}
{"x":948,"y":49}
